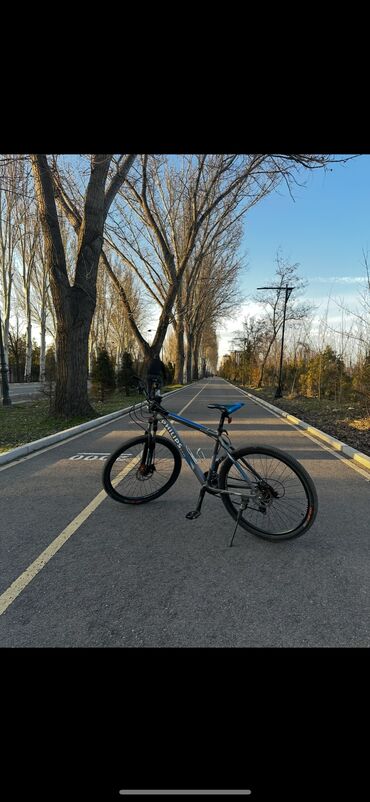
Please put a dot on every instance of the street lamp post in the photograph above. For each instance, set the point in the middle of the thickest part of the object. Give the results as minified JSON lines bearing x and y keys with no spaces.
{"x":4,"y":379}
{"x":288,"y":290}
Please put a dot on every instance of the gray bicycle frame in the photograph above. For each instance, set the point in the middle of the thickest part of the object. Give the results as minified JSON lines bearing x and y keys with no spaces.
{"x":188,"y":454}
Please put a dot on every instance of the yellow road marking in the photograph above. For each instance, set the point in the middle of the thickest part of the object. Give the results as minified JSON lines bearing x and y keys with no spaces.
{"x":19,"y":584}
{"x":362,"y":460}
{"x":24,"y":579}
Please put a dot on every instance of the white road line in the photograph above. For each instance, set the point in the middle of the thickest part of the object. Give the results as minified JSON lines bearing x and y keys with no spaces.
{"x":187,"y":793}
{"x":60,"y":443}
{"x":191,"y":401}
{"x":19,"y":584}
{"x":331,"y":451}
{"x":74,"y":436}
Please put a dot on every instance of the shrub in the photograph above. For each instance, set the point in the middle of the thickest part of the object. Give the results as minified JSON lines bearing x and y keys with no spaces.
{"x":102,"y":374}
{"x":125,"y":373}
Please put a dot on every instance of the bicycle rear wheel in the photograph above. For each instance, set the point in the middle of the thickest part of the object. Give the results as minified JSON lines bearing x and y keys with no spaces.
{"x":132,"y":476}
{"x":285,"y":504}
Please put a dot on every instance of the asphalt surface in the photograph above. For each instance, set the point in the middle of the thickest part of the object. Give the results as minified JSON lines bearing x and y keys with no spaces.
{"x":25,"y":391}
{"x":145,"y":576}
{"x":20,"y":392}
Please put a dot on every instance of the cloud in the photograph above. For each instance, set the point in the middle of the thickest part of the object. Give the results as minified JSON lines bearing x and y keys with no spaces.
{"x":252,"y":309}
{"x":340,"y":279}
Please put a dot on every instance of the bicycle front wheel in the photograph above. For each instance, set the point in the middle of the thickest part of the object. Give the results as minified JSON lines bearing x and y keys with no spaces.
{"x":130,"y":477}
{"x":284,"y":504}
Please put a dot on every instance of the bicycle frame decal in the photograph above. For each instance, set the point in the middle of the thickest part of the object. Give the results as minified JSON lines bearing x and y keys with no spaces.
{"x":188,"y":455}
{"x":192,"y":425}
{"x":185,"y":451}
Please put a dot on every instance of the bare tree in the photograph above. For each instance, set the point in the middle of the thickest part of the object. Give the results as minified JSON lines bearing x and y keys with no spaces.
{"x":110,"y":328}
{"x":359,"y":331}
{"x":27,"y":251}
{"x":75,"y":303}
{"x":251,"y":342}
{"x":16,"y":350}
{"x":273,"y":303}
{"x":209,"y":349}
{"x":298,"y":348}
{"x":41,"y":305}
{"x":174,"y":204}
{"x":210,"y":294}
{"x":9,"y":175}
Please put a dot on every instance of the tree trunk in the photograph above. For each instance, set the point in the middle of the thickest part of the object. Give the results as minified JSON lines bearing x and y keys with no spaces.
{"x":195,"y":363}
{"x":74,"y":306}
{"x":180,"y":353}
{"x":189,"y":350}
{"x":265,"y":358}
{"x":91,"y":354}
{"x":28,"y":363}
{"x":150,"y":353}
{"x":42,"y":345}
{"x":71,"y":396}
{"x":6,"y":341}
{"x":260,"y":380}
{"x":17,"y":372}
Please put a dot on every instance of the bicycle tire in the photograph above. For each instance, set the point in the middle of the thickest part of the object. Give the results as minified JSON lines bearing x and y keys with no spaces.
{"x":128,"y":446}
{"x":297,"y":470}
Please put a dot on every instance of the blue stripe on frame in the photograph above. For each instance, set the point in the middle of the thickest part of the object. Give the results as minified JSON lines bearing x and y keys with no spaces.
{"x":180,"y":419}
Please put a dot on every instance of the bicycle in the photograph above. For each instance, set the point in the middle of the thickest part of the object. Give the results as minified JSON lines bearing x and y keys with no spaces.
{"x":265,"y":490}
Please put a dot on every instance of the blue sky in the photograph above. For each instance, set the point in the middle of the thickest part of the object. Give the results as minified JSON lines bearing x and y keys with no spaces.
{"x":325,"y":229}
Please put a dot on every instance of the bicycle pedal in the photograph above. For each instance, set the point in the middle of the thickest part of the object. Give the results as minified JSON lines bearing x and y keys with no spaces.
{"x":193,"y":514}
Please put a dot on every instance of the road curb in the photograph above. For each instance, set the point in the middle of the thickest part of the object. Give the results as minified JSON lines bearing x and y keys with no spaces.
{"x":357,"y":456}
{"x":65,"y":434}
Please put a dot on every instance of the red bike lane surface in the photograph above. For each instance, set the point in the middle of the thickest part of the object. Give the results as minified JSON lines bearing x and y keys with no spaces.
{"x":146,"y":576}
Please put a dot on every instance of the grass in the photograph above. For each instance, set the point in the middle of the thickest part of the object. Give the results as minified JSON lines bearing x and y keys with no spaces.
{"x":24,"y":423}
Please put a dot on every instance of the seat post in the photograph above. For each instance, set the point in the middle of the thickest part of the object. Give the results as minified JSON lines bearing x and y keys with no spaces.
{"x":222,"y":420}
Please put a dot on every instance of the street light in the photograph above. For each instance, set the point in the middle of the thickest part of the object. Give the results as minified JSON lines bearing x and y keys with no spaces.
{"x":288,"y":291}
{"x":4,"y":379}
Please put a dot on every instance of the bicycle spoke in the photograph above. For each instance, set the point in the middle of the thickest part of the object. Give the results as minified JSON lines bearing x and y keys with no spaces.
{"x":276,"y":515}
{"x":142,"y":481}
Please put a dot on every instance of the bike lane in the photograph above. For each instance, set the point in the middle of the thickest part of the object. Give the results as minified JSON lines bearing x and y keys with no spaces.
{"x":42,"y":493}
{"x":133,"y":576}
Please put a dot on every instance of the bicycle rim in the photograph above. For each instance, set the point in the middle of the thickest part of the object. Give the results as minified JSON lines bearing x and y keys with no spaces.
{"x":127,"y":478}
{"x":285,"y":504}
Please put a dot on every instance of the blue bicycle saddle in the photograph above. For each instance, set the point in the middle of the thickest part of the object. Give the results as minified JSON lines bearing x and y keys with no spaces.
{"x":228,"y":408}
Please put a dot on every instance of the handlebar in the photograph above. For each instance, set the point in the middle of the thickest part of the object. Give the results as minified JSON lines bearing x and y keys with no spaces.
{"x":152,"y":394}
{"x":139,"y":383}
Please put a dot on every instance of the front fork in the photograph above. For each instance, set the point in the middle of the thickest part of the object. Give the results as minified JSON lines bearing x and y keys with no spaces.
{"x":148,"y":450}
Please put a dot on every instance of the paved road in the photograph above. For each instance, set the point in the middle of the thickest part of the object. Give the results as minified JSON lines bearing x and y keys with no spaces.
{"x":147,"y":576}
{"x":24,"y":391}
